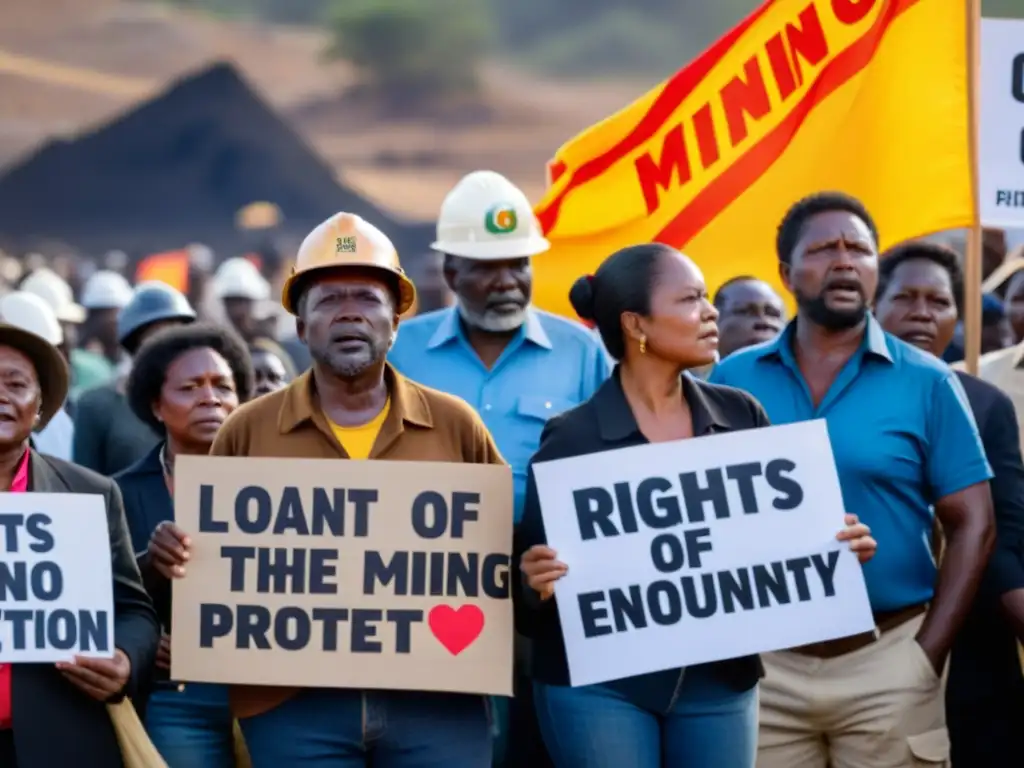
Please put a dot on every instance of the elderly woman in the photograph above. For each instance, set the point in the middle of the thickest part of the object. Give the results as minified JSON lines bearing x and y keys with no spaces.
{"x":54,"y":715}
{"x":184,"y":383}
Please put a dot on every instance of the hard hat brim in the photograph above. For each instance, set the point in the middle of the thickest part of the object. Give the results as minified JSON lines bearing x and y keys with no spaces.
{"x":493,"y":250}
{"x":71,"y":313}
{"x":406,"y":288}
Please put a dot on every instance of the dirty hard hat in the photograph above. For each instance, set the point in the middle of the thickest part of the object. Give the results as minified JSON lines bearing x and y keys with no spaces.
{"x":487,"y":217}
{"x":347,"y":241}
{"x":106,"y":290}
{"x":152,"y":302}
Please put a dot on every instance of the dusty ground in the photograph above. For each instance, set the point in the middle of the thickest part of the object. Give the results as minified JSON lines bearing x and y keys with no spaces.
{"x":66,"y":65}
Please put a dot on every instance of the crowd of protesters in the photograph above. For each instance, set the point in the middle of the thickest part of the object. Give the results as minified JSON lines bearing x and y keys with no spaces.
{"x":103,"y":384}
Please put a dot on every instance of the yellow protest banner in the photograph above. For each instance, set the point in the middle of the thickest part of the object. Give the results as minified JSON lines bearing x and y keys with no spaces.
{"x":344,"y":574}
{"x":869,"y":97}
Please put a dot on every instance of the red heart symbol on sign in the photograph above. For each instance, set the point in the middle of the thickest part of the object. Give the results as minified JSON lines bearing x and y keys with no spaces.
{"x":456,"y":630}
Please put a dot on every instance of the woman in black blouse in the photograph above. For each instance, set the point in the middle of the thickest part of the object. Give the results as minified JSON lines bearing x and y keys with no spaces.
{"x":652,"y":309}
{"x":184,"y":383}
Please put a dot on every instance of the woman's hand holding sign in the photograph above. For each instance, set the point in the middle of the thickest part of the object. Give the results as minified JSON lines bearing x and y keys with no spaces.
{"x":103,"y":679}
{"x":169,"y":550}
{"x":859,"y":536}
{"x":541,"y":569}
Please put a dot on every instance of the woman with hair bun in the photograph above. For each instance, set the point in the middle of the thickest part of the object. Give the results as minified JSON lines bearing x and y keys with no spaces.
{"x":651,"y":306}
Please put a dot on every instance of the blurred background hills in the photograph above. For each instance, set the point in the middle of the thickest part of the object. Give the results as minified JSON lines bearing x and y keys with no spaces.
{"x":399,"y":97}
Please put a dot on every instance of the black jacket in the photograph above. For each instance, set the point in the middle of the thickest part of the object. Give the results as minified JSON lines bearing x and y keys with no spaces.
{"x":55,"y":724}
{"x":985,"y":692}
{"x":108,"y":435}
{"x":604,"y":423}
{"x":147,"y":503}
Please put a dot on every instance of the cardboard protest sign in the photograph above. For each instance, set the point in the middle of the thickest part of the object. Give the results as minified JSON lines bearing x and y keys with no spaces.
{"x":700,"y":550}
{"x":349,"y":574}
{"x":56,"y":587}
{"x":1001,"y":145}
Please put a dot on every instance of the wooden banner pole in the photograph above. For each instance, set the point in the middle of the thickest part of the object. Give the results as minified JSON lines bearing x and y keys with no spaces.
{"x":973,"y":256}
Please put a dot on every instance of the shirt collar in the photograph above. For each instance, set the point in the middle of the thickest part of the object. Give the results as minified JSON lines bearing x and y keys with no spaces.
{"x":450,"y":329}
{"x":781,"y":347}
{"x":408,"y":405}
{"x":616,"y":420}
{"x":20,"y":482}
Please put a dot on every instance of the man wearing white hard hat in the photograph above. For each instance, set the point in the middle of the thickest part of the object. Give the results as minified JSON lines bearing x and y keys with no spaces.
{"x":518,"y":366}
{"x":244,"y":294}
{"x":88,"y":369}
{"x":104,"y":295}
{"x":31,"y":313}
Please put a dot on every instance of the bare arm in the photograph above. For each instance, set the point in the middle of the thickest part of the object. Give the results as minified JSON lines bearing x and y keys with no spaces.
{"x":969,"y":527}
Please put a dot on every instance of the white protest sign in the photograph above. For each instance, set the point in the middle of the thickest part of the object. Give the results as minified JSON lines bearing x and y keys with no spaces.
{"x":56,"y":587}
{"x":1001,"y":140}
{"x":700,"y":550}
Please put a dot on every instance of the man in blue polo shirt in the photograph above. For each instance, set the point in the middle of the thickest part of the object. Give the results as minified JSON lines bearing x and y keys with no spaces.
{"x":907,"y":449}
{"x":516,"y":365}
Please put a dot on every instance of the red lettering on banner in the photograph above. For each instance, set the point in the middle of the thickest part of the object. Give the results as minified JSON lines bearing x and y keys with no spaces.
{"x":707,"y":142}
{"x":852,"y":11}
{"x":801,"y":45}
{"x":742,"y":97}
{"x":654,"y":175}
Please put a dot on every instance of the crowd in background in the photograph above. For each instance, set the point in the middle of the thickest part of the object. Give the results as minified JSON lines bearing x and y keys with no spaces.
{"x":156,"y":373}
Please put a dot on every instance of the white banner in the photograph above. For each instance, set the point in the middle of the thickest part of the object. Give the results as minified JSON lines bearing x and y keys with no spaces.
{"x":1001,"y":141}
{"x":56,"y":588}
{"x":700,"y":550}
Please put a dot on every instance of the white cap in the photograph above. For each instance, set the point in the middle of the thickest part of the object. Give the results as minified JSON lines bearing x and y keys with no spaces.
{"x":31,"y":313}
{"x":51,"y":288}
{"x":238,"y":278}
{"x":106,"y":290}
{"x":487,"y":217}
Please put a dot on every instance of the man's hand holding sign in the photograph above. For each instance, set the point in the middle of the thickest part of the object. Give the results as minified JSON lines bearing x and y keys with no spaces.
{"x":407,"y":578}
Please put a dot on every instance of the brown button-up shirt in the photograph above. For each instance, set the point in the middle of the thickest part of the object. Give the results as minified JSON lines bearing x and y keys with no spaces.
{"x":422,"y":425}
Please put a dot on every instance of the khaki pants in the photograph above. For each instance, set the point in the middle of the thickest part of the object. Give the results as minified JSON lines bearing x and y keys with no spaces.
{"x":879,"y":707}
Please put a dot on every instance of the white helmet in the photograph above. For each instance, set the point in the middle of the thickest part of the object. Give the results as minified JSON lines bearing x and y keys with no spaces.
{"x":51,"y":288}
{"x":487,"y":217}
{"x":106,"y":290}
{"x":31,"y":313}
{"x":238,"y":278}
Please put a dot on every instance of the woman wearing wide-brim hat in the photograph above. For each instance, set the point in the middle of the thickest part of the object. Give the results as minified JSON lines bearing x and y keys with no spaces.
{"x":51,"y":714}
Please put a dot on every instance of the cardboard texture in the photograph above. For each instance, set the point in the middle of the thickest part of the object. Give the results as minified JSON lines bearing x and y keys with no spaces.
{"x":439,"y":617}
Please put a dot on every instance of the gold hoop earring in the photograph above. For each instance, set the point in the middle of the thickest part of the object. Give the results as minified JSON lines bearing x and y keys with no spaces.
{"x":643,"y":345}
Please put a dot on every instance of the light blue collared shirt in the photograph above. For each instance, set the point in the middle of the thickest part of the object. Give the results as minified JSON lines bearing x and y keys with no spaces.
{"x":903,"y":437}
{"x":553,"y":364}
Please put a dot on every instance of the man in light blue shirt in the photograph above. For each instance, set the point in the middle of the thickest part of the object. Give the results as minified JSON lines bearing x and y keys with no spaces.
{"x":907,"y":451}
{"x":516,"y":365}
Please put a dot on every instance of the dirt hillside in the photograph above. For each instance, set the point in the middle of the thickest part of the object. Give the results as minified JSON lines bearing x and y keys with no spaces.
{"x":66,"y":65}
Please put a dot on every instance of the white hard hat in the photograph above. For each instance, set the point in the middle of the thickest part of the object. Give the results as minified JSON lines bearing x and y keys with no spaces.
{"x":487,"y":217}
{"x":238,"y":278}
{"x":31,"y":313}
{"x":51,"y":288}
{"x":106,"y":290}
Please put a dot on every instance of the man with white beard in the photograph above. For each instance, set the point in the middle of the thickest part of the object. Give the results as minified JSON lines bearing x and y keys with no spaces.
{"x":518,"y":366}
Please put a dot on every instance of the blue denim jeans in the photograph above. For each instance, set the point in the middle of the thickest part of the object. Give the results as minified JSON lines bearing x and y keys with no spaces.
{"x":709,"y":726}
{"x":332,"y":728}
{"x":192,"y":728}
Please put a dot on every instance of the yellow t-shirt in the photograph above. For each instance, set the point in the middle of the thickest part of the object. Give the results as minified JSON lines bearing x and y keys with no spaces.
{"x":358,"y":441}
